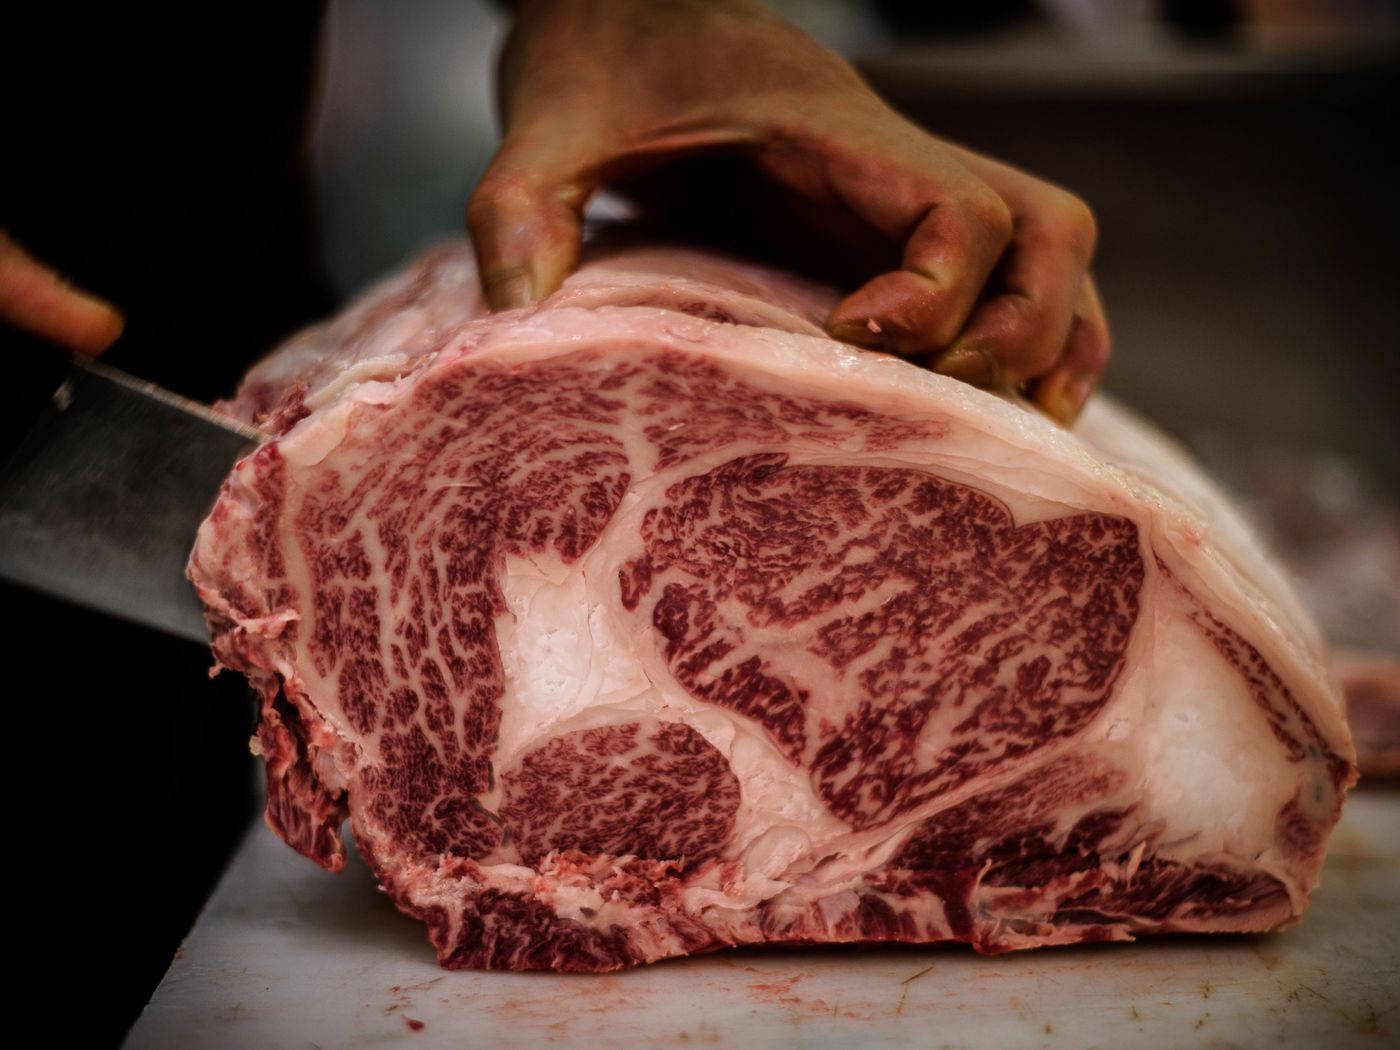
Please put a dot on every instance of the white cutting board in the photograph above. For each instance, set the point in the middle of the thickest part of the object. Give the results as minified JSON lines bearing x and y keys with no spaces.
{"x":286,"y":955}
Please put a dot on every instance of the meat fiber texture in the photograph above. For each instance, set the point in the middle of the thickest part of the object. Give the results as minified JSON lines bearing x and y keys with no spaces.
{"x":651,"y":621}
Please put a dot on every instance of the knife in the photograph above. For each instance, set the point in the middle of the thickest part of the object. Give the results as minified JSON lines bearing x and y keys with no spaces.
{"x":100,"y":501}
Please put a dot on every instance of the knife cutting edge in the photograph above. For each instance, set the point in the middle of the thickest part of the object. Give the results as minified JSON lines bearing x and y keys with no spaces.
{"x":100,"y":501}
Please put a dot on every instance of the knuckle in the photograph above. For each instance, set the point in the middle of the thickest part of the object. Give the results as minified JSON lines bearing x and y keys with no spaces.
{"x":1037,"y":359}
{"x":497,"y":196}
{"x":934,"y":318}
{"x":913,"y":313}
{"x":481,"y":207}
{"x":1087,"y":349}
{"x":991,"y":214}
{"x":1076,"y":223}
{"x":1032,"y":354}
{"x":1098,"y":347}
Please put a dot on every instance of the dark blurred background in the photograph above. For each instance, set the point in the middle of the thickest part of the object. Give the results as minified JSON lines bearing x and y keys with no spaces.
{"x":1239,"y":156}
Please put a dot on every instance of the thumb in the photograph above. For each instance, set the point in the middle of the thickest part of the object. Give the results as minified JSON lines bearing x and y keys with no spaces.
{"x":525,"y":224}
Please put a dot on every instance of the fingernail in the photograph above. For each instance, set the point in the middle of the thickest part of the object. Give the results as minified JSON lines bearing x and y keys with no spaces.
{"x":1065,"y":400}
{"x":969,"y":364}
{"x":510,"y":289}
{"x":868,"y":333}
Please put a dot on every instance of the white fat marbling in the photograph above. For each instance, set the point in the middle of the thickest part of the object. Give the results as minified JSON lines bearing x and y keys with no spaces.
{"x":570,"y":664}
{"x":1199,"y":736}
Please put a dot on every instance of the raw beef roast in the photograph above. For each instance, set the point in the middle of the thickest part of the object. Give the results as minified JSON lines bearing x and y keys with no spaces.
{"x":651,"y":621}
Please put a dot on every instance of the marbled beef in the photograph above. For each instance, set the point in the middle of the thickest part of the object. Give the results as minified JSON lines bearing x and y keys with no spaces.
{"x":651,"y":621}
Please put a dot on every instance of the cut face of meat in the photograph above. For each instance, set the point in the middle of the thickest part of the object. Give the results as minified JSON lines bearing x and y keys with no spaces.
{"x":649,"y":621}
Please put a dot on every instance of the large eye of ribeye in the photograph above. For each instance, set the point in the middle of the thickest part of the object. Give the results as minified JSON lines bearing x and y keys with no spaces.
{"x":894,"y":632}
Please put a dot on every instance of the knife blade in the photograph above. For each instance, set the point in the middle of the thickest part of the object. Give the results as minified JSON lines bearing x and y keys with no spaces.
{"x":100,"y":502}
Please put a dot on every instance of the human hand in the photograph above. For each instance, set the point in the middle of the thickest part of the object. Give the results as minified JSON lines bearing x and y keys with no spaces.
{"x":993,"y":286}
{"x":35,"y":298}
